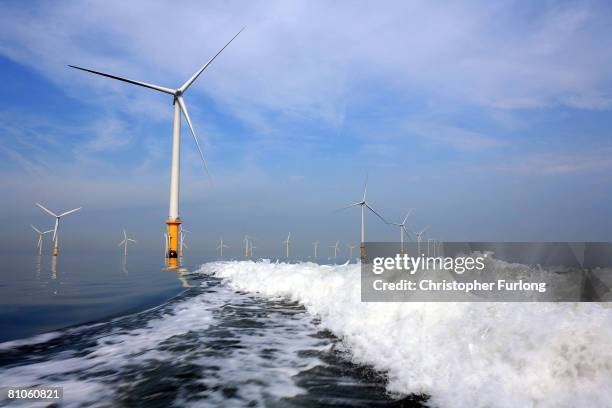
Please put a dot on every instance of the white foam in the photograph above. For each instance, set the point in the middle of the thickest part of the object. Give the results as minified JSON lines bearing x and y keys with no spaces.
{"x":461,"y":354}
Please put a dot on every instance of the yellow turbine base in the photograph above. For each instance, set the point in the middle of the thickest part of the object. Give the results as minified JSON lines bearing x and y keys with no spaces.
{"x":173,"y":238}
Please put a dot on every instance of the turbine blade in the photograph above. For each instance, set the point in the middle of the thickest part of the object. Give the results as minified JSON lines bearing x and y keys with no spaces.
{"x":195,"y":138}
{"x":36,"y":229}
{"x":55,"y":228}
{"x":365,"y":188}
{"x":344,"y":208}
{"x":406,"y":217}
{"x":377,"y":214}
{"x":70,"y":212}
{"x":130,"y":81}
{"x":121,"y":243}
{"x":195,"y":76}
{"x":46,"y":210}
{"x":132,"y":240}
{"x":46,"y":232}
{"x":124,"y":234}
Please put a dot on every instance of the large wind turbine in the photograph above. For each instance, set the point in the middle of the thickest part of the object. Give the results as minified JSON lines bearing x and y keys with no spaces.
{"x":402,"y":227}
{"x":40,"y":238}
{"x":316,"y":246}
{"x":173,"y":220}
{"x":125,"y":242}
{"x":56,"y":227}
{"x":221,"y":246}
{"x":363,"y":204}
{"x":286,"y":243}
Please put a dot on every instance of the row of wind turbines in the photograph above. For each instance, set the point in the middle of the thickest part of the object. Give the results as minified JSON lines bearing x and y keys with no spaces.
{"x":39,"y":245}
{"x":432,"y":244}
{"x":248,"y":240}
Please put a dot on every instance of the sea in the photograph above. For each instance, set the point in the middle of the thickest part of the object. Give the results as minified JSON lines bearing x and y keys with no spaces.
{"x":118,"y":331}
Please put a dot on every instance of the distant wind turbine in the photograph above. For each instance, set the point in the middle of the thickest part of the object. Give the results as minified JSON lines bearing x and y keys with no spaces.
{"x":419,"y":237}
{"x":336,"y":248}
{"x":286,"y":243}
{"x":350,"y":247}
{"x":125,"y":242}
{"x":56,"y":228}
{"x":316,"y":247}
{"x":402,"y":227}
{"x":220,"y":247}
{"x":173,"y":220}
{"x":248,"y":243}
{"x":40,"y":238}
{"x":363,"y":204}
{"x":182,"y":235}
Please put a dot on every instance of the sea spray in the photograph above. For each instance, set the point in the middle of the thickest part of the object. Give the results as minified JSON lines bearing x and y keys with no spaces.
{"x":461,"y":354}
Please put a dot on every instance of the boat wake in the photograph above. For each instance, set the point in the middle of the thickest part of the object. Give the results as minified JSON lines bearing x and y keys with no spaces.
{"x":460,"y":354}
{"x":210,"y":346}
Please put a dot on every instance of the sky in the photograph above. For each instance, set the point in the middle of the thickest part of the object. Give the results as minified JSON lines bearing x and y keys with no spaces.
{"x":491,"y":120}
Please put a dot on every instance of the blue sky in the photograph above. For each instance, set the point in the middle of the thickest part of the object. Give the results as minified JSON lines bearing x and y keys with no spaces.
{"x":491,"y":119}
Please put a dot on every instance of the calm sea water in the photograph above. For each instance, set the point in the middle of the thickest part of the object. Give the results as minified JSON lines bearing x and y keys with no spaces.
{"x":127,"y":332}
{"x":43,"y":293}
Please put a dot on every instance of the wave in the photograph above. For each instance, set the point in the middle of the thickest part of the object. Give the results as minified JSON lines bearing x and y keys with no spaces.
{"x":460,"y":354}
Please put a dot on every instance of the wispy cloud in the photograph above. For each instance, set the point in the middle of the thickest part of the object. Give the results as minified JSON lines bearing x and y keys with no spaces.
{"x":454,"y":137}
{"x":559,"y":164}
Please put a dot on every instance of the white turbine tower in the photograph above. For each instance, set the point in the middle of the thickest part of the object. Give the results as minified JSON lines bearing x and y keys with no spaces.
{"x":316,"y":247}
{"x":419,"y":237}
{"x":363,"y":204}
{"x":336,"y":248}
{"x":56,"y":227}
{"x":40,"y":238}
{"x":220,"y":247}
{"x":125,"y":242}
{"x":179,"y":106}
{"x":402,"y":227}
{"x":286,"y":243}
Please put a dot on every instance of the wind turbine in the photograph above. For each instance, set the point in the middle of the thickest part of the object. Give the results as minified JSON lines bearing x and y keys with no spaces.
{"x":55,"y":229}
{"x":350,"y":247}
{"x":419,"y":236}
{"x":173,"y":220}
{"x":182,"y":234}
{"x":246,"y":246}
{"x":286,"y":243}
{"x":402,"y":227}
{"x":125,"y":242}
{"x":221,"y":246}
{"x":363,"y":204}
{"x":40,"y":238}
{"x":316,"y":246}
{"x":336,"y":248}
